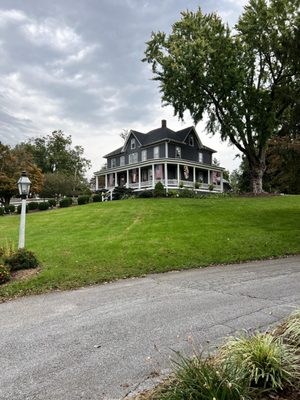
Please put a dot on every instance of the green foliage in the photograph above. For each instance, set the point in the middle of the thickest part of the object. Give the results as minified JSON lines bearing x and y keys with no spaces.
{"x":197,"y":185}
{"x":173,"y":193}
{"x":63,"y":184}
{"x":159,"y":190}
{"x":145,"y":194}
{"x":83,"y":199}
{"x":247,"y":79}
{"x":44,"y":206}
{"x":10,"y":209}
{"x":19,"y":208}
{"x":33,"y":205}
{"x":52,"y":202}
{"x":268,"y":363}
{"x":97,"y":198}
{"x":21,"y":259}
{"x":188,"y":193}
{"x":202,"y":379}
{"x":121,"y":193}
{"x":211,"y":187}
{"x":4,"y":274}
{"x":65,"y":202}
{"x":2,"y":211}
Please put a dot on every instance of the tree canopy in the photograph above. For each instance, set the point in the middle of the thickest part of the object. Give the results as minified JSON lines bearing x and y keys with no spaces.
{"x":12,"y":163}
{"x":246,"y":79}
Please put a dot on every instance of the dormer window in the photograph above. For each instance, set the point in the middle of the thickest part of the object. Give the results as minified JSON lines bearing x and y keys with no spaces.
{"x":132,"y":144}
{"x":191,"y":141}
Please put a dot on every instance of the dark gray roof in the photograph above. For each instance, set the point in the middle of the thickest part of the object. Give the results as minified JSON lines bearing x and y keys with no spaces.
{"x":157,"y":135}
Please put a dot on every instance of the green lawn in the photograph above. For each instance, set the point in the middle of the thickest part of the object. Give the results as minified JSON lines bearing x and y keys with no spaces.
{"x":104,"y":241}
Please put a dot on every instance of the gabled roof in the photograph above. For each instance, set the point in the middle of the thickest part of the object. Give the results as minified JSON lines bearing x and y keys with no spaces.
{"x":157,"y":135}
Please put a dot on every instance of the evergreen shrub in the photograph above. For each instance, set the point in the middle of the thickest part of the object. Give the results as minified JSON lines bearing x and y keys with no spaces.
{"x":85,"y":199}
{"x":34,"y":205}
{"x":21,"y":259}
{"x":159,"y":190}
{"x":97,"y":198}
{"x":4,"y":274}
{"x":52,"y":202}
{"x":43,"y":206}
{"x":66,"y":202}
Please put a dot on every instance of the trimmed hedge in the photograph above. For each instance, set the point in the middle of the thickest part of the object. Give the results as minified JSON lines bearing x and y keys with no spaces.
{"x":44,"y":206}
{"x":66,"y":202}
{"x":52,"y":202}
{"x":97,"y":198}
{"x":34,"y":205}
{"x":85,"y":199}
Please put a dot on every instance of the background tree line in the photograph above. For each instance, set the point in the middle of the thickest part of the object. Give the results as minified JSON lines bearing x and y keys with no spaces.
{"x":53,"y":165}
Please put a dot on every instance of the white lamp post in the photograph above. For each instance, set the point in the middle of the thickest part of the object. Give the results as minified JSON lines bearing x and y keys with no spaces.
{"x":23,"y":186}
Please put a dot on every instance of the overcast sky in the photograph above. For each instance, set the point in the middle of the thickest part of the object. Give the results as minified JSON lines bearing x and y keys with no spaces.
{"x":76,"y":65}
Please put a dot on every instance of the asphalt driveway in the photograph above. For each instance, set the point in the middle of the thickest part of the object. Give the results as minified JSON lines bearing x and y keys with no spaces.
{"x":106,"y":341}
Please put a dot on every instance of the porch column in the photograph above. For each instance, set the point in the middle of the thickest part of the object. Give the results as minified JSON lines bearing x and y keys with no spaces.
{"x":166,"y":150}
{"x":178,"y":174}
{"x":194,"y":175}
{"x":105,"y":181}
{"x":97,"y":183}
{"x":127,"y":179}
{"x":139,"y":177}
{"x":208,"y":176}
{"x":221,"y":181}
{"x":153,"y":177}
{"x":166,"y":177}
{"x":116,"y":179}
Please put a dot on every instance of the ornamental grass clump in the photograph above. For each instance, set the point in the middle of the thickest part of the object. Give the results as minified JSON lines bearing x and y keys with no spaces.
{"x":290,"y":331}
{"x":203,"y":379}
{"x":269,"y":364}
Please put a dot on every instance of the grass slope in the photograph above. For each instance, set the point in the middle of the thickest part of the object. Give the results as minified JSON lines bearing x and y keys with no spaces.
{"x":104,"y":241}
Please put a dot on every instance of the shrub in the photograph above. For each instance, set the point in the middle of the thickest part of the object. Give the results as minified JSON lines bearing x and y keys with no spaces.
{"x":44,"y":206}
{"x":145,"y":194}
{"x":186,"y":193}
{"x":211,"y":187}
{"x":19,"y":208}
{"x":197,"y":185}
{"x":4,"y":274}
{"x":121,"y":193}
{"x":21,"y":259}
{"x":1,"y":210}
{"x":66,"y":202}
{"x":268,"y":363}
{"x":173,"y":193}
{"x":83,"y":199}
{"x":6,"y":209}
{"x":181,"y":184}
{"x":198,"y":378}
{"x":12,"y":208}
{"x":52,"y":202}
{"x":159,"y":190}
{"x":97,"y":198}
{"x":33,"y":205}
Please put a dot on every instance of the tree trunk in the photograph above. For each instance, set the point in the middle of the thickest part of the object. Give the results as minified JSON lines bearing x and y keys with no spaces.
{"x":257,"y":173}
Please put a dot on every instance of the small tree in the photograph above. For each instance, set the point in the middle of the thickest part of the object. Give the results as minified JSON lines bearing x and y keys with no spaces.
{"x":159,"y":190}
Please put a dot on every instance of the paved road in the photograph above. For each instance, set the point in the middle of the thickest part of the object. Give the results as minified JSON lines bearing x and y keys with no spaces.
{"x":106,"y":341}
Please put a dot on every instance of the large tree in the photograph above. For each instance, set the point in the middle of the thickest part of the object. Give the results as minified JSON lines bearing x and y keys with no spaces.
{"x":12,"y":163}
{"x":246,"y":79}
{"x":54,"y":153}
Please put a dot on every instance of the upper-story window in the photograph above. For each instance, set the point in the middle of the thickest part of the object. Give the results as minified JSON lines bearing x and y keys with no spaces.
{"x":177,"y":152}
{"x":122,"y":161}
{"x":133,"y":158}
{"x":113,"y":163}
{"x":191,"y":140}
{"x":156,"y":152}
{"x":132,"y":144}
{"x":200,"y":157}
{"x":144,"y":155}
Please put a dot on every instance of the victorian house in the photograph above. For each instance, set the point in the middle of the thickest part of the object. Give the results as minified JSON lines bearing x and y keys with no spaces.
{"x":177,"y":159}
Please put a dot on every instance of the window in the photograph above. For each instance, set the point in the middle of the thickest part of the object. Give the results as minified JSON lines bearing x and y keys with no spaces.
{"x":133,"y":158}
{"x":113,"y":163}
{"x":122,"y":161}
{"x":144,"y":155}
{"x":191,"y":140}
{"x":200,"y":157}
{"x":156,"y":152}
{"x":177,"y":152}
{"x":132,"y":144}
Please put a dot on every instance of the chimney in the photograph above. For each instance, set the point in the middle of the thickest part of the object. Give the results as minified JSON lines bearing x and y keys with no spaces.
{"x":163,"y":123}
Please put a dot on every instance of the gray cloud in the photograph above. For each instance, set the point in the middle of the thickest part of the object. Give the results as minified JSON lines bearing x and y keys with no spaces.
{"x":76,"y":65}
